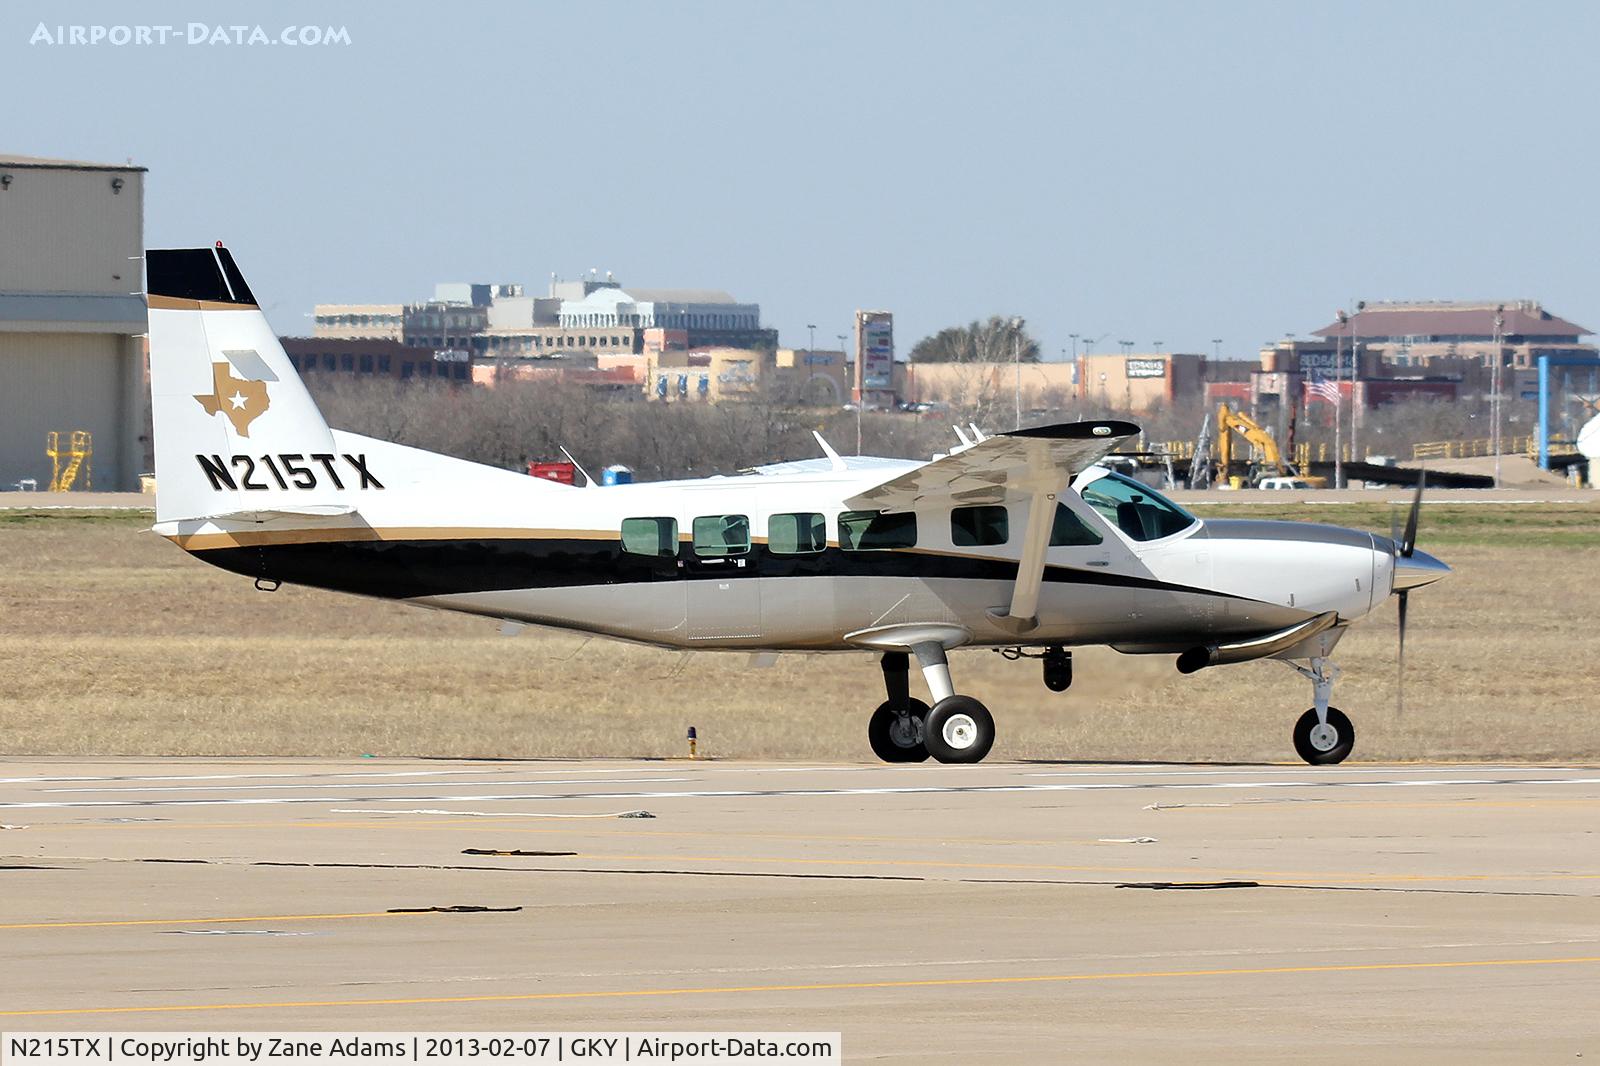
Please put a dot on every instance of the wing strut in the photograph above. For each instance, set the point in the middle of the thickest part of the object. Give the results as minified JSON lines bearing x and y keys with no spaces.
{"x":1022,"y":617}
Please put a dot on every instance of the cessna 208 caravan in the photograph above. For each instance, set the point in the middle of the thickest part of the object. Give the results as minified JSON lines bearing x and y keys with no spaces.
{"x":1021,"y":542}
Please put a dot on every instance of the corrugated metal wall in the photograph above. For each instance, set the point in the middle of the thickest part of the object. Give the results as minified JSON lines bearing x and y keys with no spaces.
{"x":65,"y":381}
{"x":67,"y":231}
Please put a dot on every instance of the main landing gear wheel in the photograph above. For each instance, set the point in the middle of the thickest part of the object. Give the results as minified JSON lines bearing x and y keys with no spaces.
{"x":1322,"y":745}
{"x":959,"y":729}
{"x":897,"y":737}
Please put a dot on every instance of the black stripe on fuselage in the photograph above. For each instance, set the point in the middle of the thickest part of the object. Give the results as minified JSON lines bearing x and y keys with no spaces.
{"x":405,"y":569}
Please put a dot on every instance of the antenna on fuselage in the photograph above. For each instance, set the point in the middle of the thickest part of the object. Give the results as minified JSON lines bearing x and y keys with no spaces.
{"x":588,"y":482}
{"x":977,"y":434}
{"x":827,"y":449}
{"x":964,"y":441}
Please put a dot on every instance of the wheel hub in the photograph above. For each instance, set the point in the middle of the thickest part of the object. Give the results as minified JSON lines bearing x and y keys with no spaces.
{"x":960,"y":731}
{"x":1323,"y":737}
{"x":906,"y":731}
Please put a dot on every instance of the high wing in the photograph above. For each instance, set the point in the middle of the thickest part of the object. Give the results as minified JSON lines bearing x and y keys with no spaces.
{"x":1006,"y":466}
{"x":1035,"y":465}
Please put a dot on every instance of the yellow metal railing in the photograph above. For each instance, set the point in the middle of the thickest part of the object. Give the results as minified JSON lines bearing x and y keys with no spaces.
{"x":1467,"y":449}
{"x":66,"y":463}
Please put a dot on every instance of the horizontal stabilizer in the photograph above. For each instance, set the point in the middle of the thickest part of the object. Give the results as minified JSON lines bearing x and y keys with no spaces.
{"x":310,"y":510}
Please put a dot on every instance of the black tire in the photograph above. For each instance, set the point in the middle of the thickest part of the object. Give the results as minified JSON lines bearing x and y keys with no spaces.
{"x":1344,"y":739}
{"x":885,"y":733}
{"x":959,"y":729}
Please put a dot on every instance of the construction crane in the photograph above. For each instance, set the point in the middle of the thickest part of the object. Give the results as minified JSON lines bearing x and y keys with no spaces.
{"x":1229,"y":421}
{"x":66,"y":464}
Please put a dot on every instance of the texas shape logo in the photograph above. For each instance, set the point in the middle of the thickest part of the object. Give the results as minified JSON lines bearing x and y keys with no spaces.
{"x":242,"y":401}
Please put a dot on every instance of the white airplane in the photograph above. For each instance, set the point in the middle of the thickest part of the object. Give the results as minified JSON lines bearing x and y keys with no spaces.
{"x":1019,"y":541}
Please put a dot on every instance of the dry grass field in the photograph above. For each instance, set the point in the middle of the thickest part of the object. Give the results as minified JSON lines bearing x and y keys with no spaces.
{"x":113,"y":641}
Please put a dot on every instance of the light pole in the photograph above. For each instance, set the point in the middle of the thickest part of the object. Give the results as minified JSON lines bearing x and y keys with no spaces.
{"x":1158,"y":346}
{"x":840,"y":337}
{"x":1016,"y":362}
{"x":1495,"y":377}
{"x":1216,"y":349}
{"x":1074,"y":337}
{"x":1355,"y":371}
{"x":1338,"y":410}
{"x":812,"y":327}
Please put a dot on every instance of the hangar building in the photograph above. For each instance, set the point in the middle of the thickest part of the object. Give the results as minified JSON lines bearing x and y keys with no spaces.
{"x":72,"y":317}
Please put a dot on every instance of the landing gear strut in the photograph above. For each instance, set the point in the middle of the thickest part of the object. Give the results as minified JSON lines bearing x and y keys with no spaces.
{"x":1323,"y":735}
{"x":957,"y":729}
{"x":896,"y":728}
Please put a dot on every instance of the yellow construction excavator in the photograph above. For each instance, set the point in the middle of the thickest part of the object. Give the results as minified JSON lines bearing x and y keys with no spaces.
{"x":1270,"y":462}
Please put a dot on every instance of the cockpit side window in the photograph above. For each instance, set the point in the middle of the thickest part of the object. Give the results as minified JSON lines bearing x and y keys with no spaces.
{"x":1069,"y":531}
{"x":1139,"y":511}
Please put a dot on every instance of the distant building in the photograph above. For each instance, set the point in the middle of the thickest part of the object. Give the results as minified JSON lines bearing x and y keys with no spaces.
{"x":1418,"y":334}
{"x":317,"y":358}
{"x":1047,"y":386}
{"x":812,"y":378}
{"x":1140,"y":381}
{"x":72,"y":317}
{"x":709,"y":317}
{"x":708,"y":375}
{"x":347,"y":321}
{"x":577,"y":318}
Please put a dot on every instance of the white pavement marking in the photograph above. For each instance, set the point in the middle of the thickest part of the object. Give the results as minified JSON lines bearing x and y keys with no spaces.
{"x":497,"y":814}
{"x":356,"y":784}
{"x":1264,"y":771}
{"x":906,"y":790}
{"x":304,"y":775}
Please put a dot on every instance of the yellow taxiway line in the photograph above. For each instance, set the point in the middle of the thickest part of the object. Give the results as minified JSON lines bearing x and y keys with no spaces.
{"x":842,"y":986}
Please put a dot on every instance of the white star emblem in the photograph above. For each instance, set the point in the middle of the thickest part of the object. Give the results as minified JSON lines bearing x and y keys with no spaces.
{"x":238,"y":401}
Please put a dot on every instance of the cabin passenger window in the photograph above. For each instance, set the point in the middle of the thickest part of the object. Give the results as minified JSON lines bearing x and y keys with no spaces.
{"x":723,"y":534}
{"x":1137,"y":510}
{"x":1070,"y":531}
{"x":874,"y":530}
{"x":650,"y":536}
{"x":796,"y":534}
{"x":975,"y":526}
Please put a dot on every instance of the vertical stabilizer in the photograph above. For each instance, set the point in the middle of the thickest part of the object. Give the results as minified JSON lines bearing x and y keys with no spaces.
{"x":235,"y":428}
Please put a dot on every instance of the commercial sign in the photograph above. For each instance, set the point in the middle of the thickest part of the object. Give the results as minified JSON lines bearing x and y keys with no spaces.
{"x":1327,"y":362}
{"x":874,"y":350}
{"x":1147,"y":368}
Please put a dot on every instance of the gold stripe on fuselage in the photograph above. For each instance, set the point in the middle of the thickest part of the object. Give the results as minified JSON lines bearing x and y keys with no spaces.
{"x":338,"y":535}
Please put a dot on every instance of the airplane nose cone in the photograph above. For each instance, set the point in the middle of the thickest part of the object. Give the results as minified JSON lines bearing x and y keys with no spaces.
{"x":1417,"y":570}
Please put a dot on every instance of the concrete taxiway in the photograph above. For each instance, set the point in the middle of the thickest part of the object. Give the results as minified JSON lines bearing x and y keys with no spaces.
{"x":999,"y":913}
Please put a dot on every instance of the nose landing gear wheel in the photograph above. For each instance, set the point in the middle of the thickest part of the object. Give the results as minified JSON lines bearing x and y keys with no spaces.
{"x":1322,"y":745}
{"x":959,"y":729}
{"x":897,"y":737}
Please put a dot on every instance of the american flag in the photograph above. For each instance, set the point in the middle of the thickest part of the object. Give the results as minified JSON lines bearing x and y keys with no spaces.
{"x":1325,"y":390}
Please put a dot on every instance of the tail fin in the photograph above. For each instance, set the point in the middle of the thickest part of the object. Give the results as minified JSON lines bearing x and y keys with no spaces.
{"x":235,"y":428}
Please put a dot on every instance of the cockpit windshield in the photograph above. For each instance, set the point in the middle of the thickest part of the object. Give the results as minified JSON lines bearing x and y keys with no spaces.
{"x":1136,"y":509}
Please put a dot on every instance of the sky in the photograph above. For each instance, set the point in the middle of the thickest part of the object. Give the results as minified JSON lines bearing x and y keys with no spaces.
{"x":1153,"y":172}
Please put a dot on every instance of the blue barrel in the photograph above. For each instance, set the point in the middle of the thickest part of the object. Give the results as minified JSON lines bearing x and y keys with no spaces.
{"x":616,"y":475}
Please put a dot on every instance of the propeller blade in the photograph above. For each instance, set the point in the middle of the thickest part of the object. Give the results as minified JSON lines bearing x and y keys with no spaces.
{"x":1394,"y":531}
{"x":1400,"y":660}
{"x":1409,"y":544}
